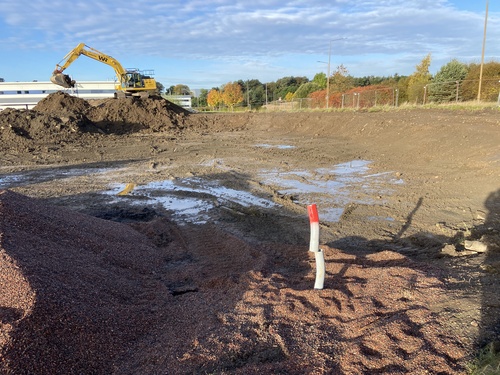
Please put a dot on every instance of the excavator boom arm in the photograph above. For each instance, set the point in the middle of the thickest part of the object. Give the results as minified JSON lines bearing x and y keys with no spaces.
{"x":83,"y":49}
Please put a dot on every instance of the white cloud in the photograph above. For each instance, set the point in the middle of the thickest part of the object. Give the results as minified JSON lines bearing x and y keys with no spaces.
{"x":256,"y":33}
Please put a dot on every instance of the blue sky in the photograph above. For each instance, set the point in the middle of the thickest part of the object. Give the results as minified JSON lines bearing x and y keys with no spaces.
{"x":207,"y":43}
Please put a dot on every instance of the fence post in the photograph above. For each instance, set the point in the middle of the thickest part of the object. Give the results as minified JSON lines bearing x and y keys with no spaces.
{"x":498,"y":101}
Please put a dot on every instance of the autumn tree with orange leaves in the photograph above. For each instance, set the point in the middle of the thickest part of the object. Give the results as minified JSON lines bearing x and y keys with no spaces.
{"x":214,"y":98}
{"x":232,"y":94}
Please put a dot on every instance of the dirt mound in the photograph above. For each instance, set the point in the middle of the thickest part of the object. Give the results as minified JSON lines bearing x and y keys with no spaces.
{"x":84,"y":295}
{"x":60,"y":102}
{"x":31,"y":129}
{"x":62,"y":118}
{"x":134,"y":114}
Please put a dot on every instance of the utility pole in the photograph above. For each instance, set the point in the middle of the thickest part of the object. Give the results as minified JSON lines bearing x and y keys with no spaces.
{"x":328,"y":77}
{"x":248,"y":97}
{"x":482,"y":54}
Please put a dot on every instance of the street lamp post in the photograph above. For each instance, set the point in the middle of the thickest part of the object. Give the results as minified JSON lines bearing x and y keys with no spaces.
{"x":482,"y":54}
{"x":328,"y":75}
{"x":498,"y":101}
{"x":327,"y":81}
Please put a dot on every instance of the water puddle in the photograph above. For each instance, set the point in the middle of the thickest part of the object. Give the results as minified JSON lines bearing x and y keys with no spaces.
{"x":332,"y":189}
{"x":191,"y":199}
{"x":279,"y":147}
{"x":46,"y":175}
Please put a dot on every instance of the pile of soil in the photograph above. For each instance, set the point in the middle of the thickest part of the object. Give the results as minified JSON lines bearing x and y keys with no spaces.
{"x":63,"y":117}
{"x":29,"y":129}
{"x":133,"y":114}
{"x":85,"y":295}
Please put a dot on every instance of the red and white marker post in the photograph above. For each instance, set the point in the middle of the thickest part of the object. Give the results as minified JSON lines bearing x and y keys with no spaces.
{"x":314,"y":246}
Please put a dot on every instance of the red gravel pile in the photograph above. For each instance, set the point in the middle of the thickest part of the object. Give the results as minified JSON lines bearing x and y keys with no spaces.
{"x":74,"y":289}
{"x":81,"y":295}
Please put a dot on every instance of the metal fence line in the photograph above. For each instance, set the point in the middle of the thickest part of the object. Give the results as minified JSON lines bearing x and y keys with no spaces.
{"x":388,"y":97}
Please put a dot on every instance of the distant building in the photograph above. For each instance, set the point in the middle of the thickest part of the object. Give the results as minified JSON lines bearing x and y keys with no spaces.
{"x":26,"y":95}
{"x":183,"y":101}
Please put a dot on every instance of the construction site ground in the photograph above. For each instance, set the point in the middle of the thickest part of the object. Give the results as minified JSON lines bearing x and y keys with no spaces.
{"x":139,"y":238}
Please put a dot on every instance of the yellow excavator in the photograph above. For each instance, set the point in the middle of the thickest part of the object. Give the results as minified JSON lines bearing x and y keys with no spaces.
{"x":130,"y":81}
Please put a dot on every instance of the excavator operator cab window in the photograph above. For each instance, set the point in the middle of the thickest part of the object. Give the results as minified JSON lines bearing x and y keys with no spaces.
{"x":134,"y":80}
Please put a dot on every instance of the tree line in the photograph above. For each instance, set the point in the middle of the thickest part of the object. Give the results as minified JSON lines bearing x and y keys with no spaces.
{"x":455,"y":81}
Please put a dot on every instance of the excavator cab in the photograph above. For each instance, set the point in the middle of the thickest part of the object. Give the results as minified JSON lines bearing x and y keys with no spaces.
{"x":134,"y":79}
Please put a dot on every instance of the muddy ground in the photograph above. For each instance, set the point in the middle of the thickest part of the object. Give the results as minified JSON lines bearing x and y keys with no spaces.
{"x":96,"y":282}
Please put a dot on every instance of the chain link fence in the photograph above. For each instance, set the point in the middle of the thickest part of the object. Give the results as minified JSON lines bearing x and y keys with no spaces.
{"x":292,"y":105}
{"x":437,"y":92}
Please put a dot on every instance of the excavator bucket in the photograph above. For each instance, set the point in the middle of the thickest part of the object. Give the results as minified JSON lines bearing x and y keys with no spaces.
{"x":63,"y":80}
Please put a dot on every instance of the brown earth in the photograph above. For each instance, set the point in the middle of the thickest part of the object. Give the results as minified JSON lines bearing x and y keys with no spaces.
{"x":95,"y":284}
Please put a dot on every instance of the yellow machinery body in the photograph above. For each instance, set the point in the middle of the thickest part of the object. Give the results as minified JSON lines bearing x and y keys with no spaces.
{"x":130,"y":82}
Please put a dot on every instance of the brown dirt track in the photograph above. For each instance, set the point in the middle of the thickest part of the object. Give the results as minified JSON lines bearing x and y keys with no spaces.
{"x":94,"y":285}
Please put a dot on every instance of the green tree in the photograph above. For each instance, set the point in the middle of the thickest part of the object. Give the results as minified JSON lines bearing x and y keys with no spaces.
{"x":307,"y":88}
{"x":418,"y":80}
{"x":253,"y":91}
{"x":320,"y":80}
{"x":340,"y":81}
{"x":402,"y":86}
{"x":286,"y":85}
{"x":181,"y":90}
{"x":445,"y":83}
{"x":202,"y":98}
{"x":159,"y":88}
{"x":257,"y":96}
{"x":374,"y":80}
